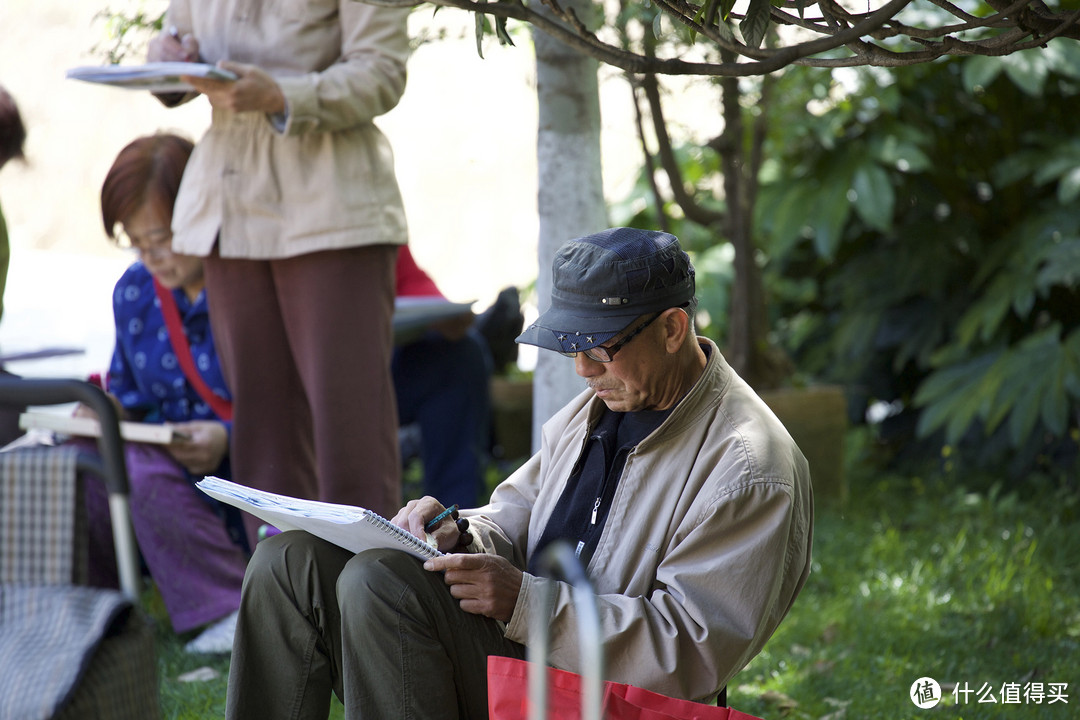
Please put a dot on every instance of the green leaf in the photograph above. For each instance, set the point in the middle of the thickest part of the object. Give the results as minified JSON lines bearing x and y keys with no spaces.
{"x":1072,"y":350}
{"x":478,"y":19}
{"x":855,"y":331}
{"x":1002,"y":393}
{"x":1034,"y":387}
{"x":874,"y":196}
{"x":500,"y":32}
{"x":756,"y":22}
{"x":1059,"y":265}
{"x":724,"y":29}
{"x":992,"y":307}
{"x":1022,"y":418}
{"x":788,"y":206}
{"x":1028,"y":70}
{"x":1024,"y":302}
{"x":904,"y":155}
{"x":1054,"y":412}
{"x":692,"y":33}
{"x":1060,"y":161}
{"x":1069,"y":187}
{"x":979,"y":71}
{"x":951,"y":397}
{"x":1014,"y":168}
{"x":828,"y":216}
{"x":1063,"y":56}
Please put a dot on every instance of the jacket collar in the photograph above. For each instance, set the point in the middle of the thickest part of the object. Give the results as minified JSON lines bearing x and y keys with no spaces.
{"x":706,"y":394}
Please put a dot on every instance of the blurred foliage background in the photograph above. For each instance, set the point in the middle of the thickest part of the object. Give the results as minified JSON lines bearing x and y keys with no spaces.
{"x":916,"y":231}
{"x":911,"y":235}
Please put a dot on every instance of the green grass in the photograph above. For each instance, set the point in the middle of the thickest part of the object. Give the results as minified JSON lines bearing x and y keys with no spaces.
{"x":938,"y":577}
{"x":194,"y":699}
{"x":924,"y":577}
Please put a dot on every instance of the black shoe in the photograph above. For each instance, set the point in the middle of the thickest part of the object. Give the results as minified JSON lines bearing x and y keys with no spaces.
{"x":500,"y":325}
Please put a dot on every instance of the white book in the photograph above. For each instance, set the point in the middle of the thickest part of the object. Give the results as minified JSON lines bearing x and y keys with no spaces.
{"x":353,"y":528}
{"x":158,"y":77}
{"x":89,"y":427}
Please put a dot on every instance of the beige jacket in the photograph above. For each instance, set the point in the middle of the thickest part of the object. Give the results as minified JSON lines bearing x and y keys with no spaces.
{"x":323,"y":176}
{"x":705,"y":548}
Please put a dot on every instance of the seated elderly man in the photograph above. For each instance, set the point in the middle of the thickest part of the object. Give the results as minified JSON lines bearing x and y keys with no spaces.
{"x":688,"y":502}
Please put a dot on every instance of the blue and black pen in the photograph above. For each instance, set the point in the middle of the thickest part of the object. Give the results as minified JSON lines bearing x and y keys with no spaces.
{"x":434,"y":522}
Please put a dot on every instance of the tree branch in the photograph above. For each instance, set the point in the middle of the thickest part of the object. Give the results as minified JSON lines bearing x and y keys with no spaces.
{"x":1015,"y":25}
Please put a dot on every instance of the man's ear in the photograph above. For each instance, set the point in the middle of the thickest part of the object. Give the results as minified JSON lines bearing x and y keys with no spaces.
{"x":676,"y":325}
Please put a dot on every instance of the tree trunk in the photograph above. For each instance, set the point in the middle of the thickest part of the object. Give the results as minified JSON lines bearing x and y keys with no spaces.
{"x":570,"y":201}
{"x":745,"y":323}
{"x":748,"y":349}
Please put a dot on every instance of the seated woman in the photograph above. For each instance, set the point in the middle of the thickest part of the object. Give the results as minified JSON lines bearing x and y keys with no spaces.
{"x":184,"y":537}
{"x":441,"y":380}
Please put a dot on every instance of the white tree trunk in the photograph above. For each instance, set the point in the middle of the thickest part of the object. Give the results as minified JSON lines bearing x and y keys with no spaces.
{"x":571,"y":194}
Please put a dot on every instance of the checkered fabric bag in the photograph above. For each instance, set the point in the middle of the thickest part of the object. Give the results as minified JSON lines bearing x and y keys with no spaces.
{"x":66,"y":651}
{"x":42,"y":518}
{"x":74,"y":652}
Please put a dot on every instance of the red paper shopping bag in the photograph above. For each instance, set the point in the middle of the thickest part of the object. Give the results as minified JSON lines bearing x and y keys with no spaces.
{"x":508,"y":698}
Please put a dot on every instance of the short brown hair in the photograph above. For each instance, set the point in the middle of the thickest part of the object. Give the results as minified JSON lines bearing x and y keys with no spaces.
{"x":147,"y":170}
{"x":12,"y":130}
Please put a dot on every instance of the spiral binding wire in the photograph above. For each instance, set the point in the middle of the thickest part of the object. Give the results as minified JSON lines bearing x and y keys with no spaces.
{"x":404,"y":536}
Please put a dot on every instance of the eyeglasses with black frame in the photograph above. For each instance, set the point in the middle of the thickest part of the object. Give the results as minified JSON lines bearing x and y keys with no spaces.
{"x":603,"y":354}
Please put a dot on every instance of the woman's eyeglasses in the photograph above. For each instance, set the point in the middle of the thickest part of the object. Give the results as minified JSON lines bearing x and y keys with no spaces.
{"x":155,"y":242}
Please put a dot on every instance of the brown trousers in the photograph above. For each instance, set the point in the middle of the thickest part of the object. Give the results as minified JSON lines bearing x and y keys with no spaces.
{"x":305,"y":345}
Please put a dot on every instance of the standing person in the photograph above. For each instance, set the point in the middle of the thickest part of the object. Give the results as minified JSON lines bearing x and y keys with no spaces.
{"x":12,"y":137}
{"x":291,"y":198}
{"x":688,"y":502}
{"x":185,"y":541}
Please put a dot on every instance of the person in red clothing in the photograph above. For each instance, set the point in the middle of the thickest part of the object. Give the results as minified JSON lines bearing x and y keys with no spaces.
{"x":442,"y":384}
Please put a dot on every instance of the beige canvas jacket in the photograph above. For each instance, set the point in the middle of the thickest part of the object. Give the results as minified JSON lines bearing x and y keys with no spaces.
{"x":706,"y":545}
{"x":320,"y":178}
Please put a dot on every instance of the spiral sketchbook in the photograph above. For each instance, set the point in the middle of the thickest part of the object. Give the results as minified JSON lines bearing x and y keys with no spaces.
{"x":353,"y":528}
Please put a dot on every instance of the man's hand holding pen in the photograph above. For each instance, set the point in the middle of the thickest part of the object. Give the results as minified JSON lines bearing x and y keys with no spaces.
{"x":462,"y":524}
{"x":483,"y":584}
{"x":427,"y":516}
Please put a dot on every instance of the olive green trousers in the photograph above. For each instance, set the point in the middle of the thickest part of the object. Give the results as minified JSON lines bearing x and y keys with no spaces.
{"x":376,"y":629}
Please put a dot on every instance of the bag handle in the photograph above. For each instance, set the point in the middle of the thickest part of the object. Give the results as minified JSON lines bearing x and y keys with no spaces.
{"x":178,"y":339}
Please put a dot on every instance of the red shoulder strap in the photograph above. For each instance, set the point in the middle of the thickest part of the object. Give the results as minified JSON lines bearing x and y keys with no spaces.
{"x":221,"y":407}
